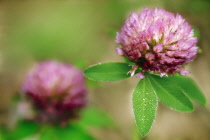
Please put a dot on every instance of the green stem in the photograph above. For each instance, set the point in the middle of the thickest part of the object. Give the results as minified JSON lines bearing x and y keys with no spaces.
{"x":135,"y":135}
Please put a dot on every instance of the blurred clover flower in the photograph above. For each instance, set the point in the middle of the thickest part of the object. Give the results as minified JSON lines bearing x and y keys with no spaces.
{"x":157,"y":41}
{"x":57,"y":90}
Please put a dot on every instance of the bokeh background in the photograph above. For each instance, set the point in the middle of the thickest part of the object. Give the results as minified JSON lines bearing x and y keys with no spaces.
{"x":82,"y":32}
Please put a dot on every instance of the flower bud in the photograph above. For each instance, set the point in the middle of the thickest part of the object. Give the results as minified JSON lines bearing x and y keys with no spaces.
{"x":57,"y":91}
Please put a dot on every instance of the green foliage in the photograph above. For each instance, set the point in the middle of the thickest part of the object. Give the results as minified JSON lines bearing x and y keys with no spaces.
{"x":22,"y":130}
{"x":93,"y":116}
{"x":170,"y":93}
{"x":135,"y":135}
{"x":112,"y":71}
{"x":70,"y":132}
{"x":128,"y":61}
{"x":190,"y":88}
{"x":75,"y":130}
{"x":48,"y":134}
{"x":1,"y":135}
{"x":144,"y":105}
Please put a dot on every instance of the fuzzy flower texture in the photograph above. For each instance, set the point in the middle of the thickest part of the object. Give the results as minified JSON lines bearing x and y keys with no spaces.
{"x":157,"y":41}
{"x":57,"y":90}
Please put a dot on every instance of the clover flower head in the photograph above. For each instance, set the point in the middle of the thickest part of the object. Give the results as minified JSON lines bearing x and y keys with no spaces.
{"x":57,"y":90}
{"x":157,"y":41}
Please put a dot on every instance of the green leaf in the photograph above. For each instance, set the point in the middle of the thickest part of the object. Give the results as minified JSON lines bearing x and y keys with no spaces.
{"x":128,"y":61}
{"x":4,"y":133}
{"x":111,"y":71}
{"x":95,"y":117}
{"x":144,"y":106}
{"x":190,"y":88}
{"x":48,"y":133}
{"x":135,"y":135}
{"x":170,"y":93}
{"x":71,"y":132}
{"x":1,"y":136}
{"x":23,"y":129}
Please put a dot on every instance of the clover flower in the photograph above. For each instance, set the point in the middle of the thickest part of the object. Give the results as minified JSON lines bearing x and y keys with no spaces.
{"x":157,"y":41}
{"x":57,"y":90}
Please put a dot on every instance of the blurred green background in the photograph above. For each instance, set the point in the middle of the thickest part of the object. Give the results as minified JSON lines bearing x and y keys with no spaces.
{"x":82,"y":32}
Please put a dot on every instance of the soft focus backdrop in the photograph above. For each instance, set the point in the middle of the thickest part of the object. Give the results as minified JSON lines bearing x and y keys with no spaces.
{"x":82,"y":32}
